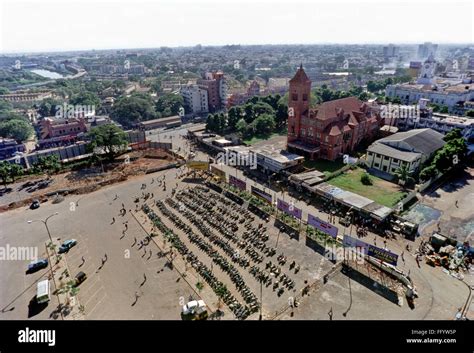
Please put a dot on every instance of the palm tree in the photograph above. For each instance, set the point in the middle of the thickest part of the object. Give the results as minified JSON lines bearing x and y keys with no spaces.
{"x":404,"y":175}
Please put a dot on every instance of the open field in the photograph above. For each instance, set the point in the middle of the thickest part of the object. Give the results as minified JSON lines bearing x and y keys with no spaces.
{"x":381,"y":191}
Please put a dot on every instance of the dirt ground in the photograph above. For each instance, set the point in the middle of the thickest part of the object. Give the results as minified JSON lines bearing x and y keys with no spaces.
{"x":124,"y":167}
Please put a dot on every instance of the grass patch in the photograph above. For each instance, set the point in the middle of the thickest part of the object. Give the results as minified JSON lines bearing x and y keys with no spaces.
{"x":324,"y":166}
{"x":381,"y":191}
{"x":258,"y":138}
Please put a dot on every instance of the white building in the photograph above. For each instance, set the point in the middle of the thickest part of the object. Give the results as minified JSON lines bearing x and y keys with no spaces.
{"x":412,"y":117}
{"x":195,"y":98}
{"x":427,"y":73}
{"x":409,"y":148}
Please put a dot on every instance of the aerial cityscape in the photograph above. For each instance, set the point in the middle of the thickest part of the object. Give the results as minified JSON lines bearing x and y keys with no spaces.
{"x":248,"y":180}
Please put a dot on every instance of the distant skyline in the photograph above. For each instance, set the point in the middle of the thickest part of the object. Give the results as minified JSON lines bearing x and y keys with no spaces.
{"x":52,"y":25}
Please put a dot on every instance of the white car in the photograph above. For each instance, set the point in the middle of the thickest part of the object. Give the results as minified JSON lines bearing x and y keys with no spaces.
{"x":194,"y":310}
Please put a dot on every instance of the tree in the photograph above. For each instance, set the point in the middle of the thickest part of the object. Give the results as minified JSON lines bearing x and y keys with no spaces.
{"x":169,"y":104}
{"x":15,"y":171}
{"x":264,"y":124}
{"x":364,"y":96}
{"x":20,"y":130}
{"x":132,"y":110}
{"x":48,"y":107}
{"x":281,"y":115}
{"x":428,"y":173}
{"x":233,"y":116}
{"x":470,"y":113}
{"x":365,"y":179}
{"x":4,"y":172}
{"x":47,"y":164}
{"x":109,"y":137}
{"x":404,"y":175}
{"x":4,"y":90}
{"x":12,"y":115}
{"x":212,"y":123}
{"x":86,"y":98}
{"x":222,"y":122}
{"x":5,"y":107}
{"x":453,"y":135}
{"x":241,"y":127}
{"x":262,"y":108}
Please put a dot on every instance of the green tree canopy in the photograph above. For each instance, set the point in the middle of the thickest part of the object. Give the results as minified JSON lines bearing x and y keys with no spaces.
{"x":169,"y":104}
{"x":264,"y":124}
{"x":470,"y":113}
{"x":47,"y":164}
{"x":48,"y":107}
{"x":9,"y":170}
{"x":17,"y":129}
{"x":131,"y":110}
{"x":108,"y":137}
{"x":86,"y":98}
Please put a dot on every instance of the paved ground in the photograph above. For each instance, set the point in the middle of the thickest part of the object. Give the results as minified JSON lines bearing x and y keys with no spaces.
{"x":454,"y":203}
{"x":110,"y":292}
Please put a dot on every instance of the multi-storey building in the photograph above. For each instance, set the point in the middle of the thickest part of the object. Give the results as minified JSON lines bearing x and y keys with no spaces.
{"x":331,"y":129}
{"x":452,"y":90}
{"x":195,"y":98}
{"x":50,"y":128}
{"x":216,"y":87}
{"x":416,"y":117}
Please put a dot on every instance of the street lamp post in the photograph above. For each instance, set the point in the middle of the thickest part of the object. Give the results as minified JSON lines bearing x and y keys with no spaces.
{"x":45,"y":222}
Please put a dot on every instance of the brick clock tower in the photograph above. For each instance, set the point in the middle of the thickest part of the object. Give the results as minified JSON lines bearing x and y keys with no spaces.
{"x":298,"y":103}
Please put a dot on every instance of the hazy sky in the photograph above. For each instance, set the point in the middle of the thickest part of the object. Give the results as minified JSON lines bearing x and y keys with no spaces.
{"x":106,"y":24}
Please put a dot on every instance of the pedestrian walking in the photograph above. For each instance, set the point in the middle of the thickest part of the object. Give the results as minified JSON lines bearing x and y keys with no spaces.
{"x":456,"y":203}
{"x":116,"y":197}
{"x":113,"y":220}
{"x":126,"y":226}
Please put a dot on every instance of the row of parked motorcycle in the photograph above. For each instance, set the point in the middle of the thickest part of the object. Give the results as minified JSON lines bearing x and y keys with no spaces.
{"x":256,"y":235}
{"x":240,"y":311}
{"x":250,"y":298}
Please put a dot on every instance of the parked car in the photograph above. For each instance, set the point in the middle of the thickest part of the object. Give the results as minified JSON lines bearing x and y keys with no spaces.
{"x":194,"y":310}
{"x":67,"y":245}
{"x":37,"y":265}
{"x":35,"y":204}
{"x":80,"y":277}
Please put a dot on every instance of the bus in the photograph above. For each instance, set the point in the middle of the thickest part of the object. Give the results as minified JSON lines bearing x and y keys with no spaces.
{"x":42,"y":292}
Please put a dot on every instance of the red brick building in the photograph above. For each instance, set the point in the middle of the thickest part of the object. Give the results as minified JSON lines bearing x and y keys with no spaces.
{"x":331,"y":129}
{"x":215,"y":85}
{"x":50,"y":128}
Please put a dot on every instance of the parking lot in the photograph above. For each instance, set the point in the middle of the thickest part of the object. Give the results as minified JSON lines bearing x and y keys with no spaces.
{"x":125,"y":286}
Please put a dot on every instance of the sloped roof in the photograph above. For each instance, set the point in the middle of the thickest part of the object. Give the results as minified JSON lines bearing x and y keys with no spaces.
{"x":388,"y":151}
{"x":425,"y":141}
{"x":329,"y":109}
{"x":300,"y":76}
